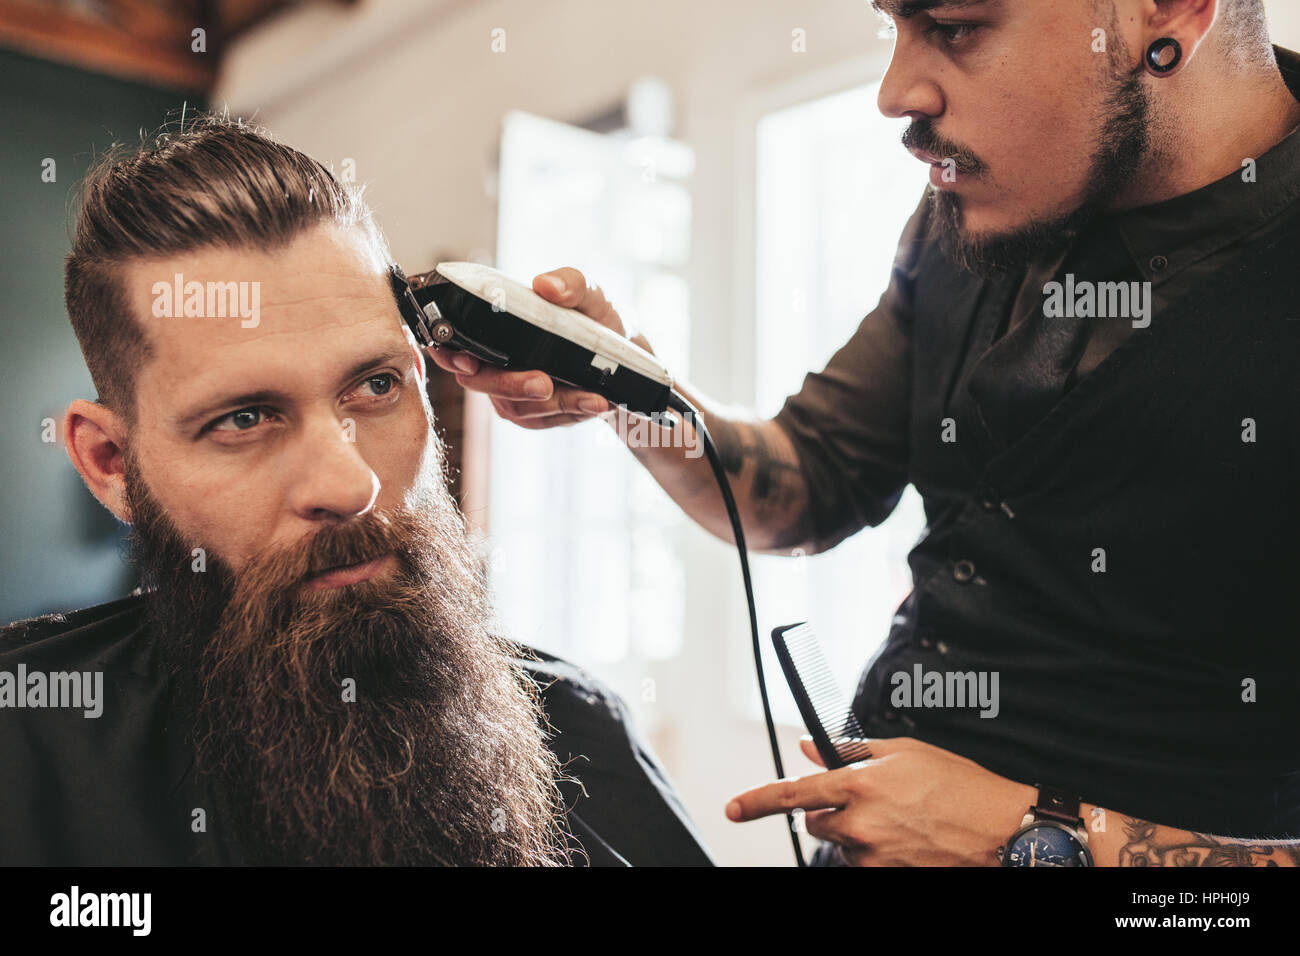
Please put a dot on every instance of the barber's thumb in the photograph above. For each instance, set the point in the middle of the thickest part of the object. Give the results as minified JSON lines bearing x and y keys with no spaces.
{"x":810,"y":750}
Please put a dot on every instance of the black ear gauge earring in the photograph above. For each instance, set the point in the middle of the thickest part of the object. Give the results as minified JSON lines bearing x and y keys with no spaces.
{"x":1156,"y":61}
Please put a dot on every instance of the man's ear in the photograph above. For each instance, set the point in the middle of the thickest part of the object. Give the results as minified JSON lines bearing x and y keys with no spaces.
{"x":94,"y":437}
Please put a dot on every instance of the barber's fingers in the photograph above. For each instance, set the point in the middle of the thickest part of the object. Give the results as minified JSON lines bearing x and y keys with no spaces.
{"x":565,"y":401}
{"x":517,"y":386}
{"x":529,"y":394}
{"x":454,"y":360}
{"x":568,"y":287}
{"x":551,"y":421}
{"x":810,"y":751}
{"x":535,"y":422}
{"x":833,"y":826}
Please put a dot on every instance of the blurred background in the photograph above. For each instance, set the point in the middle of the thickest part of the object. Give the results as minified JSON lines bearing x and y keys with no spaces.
{"x":719,"y":169}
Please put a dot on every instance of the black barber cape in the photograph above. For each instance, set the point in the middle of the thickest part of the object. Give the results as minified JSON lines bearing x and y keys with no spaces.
{"x":119,"y":788}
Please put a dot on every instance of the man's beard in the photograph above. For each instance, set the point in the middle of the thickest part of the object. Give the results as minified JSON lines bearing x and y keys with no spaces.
{"x":1125,"y":144}
{"x":380,"y":722}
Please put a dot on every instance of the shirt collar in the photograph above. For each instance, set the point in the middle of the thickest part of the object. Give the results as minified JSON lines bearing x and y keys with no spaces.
{"x":1166,"y":238}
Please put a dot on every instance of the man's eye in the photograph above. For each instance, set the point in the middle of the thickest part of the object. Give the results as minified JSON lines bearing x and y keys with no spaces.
{"x":952,"y":33}
{"x":242,"y":420}
{"x":383,"y":385}
{"x":386,"y":381}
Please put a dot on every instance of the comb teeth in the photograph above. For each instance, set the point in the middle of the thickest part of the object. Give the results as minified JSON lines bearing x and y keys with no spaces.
{"x":818,"y":694}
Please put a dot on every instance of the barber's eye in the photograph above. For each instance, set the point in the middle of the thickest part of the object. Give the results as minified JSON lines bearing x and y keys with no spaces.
{"x":952,"y":33}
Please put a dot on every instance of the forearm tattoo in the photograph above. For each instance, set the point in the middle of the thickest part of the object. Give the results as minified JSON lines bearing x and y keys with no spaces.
{"x":771,"y":479}
{"x":1147,"y":844}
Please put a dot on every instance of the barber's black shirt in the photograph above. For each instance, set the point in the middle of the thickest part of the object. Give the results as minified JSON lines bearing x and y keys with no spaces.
{"x":119,"y":788}
{"x":1112,"y":510}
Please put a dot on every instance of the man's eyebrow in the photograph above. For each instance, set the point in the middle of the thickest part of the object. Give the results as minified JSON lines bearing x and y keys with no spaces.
{"x":906,"y":9}
{"x":266,"y":395}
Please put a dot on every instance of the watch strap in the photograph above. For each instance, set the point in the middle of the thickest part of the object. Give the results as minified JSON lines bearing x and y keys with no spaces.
{"x":1057,"y":805}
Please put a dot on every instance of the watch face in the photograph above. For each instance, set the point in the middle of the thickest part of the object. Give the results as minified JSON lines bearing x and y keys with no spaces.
{"x":1046,"y":844}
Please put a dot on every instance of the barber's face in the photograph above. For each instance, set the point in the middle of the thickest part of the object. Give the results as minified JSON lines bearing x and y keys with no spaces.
{"x":255,"y":433}
{"x":1014,"y":92}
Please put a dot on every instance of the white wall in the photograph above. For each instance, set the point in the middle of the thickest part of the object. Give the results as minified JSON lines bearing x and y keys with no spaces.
{"x":1284,"y":19}
{"x":413,"y":93}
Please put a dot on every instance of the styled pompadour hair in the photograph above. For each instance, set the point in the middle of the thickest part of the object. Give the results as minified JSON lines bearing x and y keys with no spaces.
{"x":216,"y":182}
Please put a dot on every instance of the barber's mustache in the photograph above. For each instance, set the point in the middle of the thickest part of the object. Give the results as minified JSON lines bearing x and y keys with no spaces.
{"x":922,"y":135}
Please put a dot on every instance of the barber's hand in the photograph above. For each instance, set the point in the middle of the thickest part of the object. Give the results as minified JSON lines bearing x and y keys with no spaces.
{"x":911,"y":804}
{"x":532,"y":399}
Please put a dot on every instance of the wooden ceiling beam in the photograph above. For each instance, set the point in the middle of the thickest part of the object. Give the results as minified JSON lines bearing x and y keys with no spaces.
{"x":135,"y":39}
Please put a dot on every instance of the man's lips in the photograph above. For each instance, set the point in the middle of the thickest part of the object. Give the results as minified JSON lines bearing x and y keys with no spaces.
{"x":348,"y":574}
{"x":940,"y":177}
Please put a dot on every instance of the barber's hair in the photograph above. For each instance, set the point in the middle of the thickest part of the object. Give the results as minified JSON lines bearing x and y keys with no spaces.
{"x":1244,"y":31}
{"x":217,"y":182}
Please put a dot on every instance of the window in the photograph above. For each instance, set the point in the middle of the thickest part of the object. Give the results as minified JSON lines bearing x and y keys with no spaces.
{"x":584,"y":559}
{"x":834,"y":189}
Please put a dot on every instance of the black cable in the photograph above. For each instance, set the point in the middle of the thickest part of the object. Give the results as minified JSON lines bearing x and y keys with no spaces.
{"x":681,"y":405}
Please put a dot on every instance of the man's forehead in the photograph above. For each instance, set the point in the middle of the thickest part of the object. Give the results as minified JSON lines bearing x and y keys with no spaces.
{"x":226,"y":320}
{"x":230,"y":297}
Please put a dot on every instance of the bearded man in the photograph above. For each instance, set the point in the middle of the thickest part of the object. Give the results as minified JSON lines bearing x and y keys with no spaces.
{"x":308,"y":673}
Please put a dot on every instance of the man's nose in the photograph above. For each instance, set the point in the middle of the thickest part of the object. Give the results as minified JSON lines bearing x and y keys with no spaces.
{"x":907,"y":90}
{"x":333,"y":480}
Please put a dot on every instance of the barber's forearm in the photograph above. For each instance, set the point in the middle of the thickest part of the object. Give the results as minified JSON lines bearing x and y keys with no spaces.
{"x":760,"y":462}
{"x":1128,"y":841}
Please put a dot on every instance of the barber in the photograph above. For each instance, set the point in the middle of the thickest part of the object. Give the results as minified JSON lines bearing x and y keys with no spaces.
{"x":1111,"y":498}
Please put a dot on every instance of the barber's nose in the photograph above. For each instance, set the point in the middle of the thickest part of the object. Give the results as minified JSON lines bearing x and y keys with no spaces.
{"x":334,"y":482}
{"x":905,"y":91}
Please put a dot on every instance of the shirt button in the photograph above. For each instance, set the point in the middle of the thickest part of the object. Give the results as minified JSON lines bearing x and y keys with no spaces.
{"x":926,"y":643}
{"x":890,"y":715}
{"x":988,"y":504}
{"x":963,"y":570}
{"x":1159,"y":264}
{"x":943,"y":648}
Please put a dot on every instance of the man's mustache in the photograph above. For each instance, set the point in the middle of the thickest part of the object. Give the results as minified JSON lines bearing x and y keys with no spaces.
{"x":356,"y":541}
{"x":921,"y":135}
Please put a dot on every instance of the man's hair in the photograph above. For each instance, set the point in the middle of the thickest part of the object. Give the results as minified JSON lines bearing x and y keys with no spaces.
{"x":217,"y":182}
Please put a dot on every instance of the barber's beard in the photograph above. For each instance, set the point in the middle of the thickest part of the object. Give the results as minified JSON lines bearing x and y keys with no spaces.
{"x":1125,"y":144}
{"x":380,"y":722}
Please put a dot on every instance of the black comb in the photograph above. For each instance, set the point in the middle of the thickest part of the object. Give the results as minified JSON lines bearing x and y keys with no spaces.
{"x":835,"y":729}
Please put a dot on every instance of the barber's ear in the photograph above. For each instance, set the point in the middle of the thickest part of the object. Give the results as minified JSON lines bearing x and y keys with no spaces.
{"x":94,"y":437}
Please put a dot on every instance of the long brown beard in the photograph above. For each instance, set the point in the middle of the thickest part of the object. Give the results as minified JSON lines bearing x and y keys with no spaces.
{"x":376,"y":723}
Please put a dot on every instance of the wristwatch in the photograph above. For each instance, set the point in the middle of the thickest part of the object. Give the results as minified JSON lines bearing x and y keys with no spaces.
{"x":1051,"y":834}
